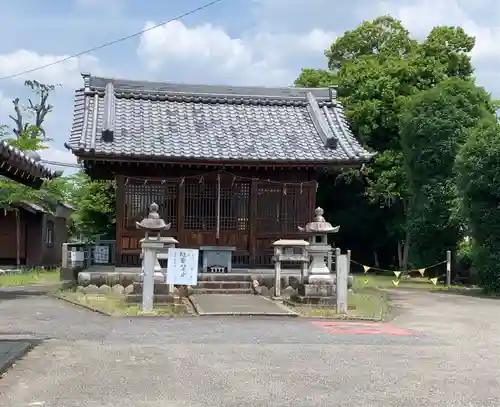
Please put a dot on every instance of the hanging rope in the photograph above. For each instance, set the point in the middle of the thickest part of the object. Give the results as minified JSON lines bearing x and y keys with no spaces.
{"x":235,"y":177}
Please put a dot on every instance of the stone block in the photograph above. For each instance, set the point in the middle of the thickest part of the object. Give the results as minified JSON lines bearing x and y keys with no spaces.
{"x":84,"y":279}
{"x":117,"y":289}
{"x":159,"y":288}
{"x":265,"y":292}
{"x":288,"y":292}
{"x":92,"y":289}
{"x":317,"y":290}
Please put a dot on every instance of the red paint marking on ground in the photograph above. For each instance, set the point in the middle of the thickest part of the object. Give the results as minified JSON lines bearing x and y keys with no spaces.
{"x":362,"y":328}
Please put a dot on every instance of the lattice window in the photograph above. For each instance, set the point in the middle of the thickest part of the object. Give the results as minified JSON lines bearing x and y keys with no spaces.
{"x":269,"y":208}
{"x":200,"y":206}
{"x":138,"y":197}
{"x":234,"y":206}
{"x":295,"y":208}
{"x":279,"y":212}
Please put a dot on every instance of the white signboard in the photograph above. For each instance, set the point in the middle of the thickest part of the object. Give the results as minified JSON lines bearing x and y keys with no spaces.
{"x":76,"y":256}
{"x":182,"y":266}
{"x":101,"y":254}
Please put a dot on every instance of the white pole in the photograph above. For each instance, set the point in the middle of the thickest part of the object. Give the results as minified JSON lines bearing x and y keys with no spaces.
{"x":448,"y":267}
{"x":341,"y":282}
{"x":277,"y":273}
{"x":148,"y":282}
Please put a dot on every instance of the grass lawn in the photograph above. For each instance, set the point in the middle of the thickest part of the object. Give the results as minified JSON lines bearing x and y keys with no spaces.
{"x":365,"y":304}
{"x":114,"y":305}
{"x":33,"y":277}
{"x":374,"y":281}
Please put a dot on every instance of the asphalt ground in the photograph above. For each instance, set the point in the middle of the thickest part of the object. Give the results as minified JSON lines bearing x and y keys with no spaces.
{"x":438,"y":350}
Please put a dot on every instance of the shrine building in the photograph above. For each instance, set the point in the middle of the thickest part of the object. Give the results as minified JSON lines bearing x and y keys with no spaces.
{"x":227,"y":165}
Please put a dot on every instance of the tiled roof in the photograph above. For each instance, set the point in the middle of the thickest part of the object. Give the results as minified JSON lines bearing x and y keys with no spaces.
{"x":25,"y":161}
{"x":148,"y":120}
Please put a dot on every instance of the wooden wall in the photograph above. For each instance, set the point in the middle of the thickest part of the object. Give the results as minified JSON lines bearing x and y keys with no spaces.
{"x":253,"y":211}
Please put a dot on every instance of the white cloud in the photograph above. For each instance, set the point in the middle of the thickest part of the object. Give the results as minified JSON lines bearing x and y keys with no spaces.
{"x":66,"y":73}
{"x":422,"y":16}
{"x":57,"y":155}
{"x":5,"y":104}
{"x":212,"y":53}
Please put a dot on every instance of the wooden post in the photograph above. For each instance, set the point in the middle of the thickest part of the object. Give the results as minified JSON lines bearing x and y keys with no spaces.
{"x":252,"y":224}
{"x":181,"y":211}
{"x":448,"y":267}
{"x":120,"y":218}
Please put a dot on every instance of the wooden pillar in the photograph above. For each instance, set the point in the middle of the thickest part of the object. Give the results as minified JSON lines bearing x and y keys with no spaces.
{"x":312,"y":197}
{"x":120,"y":217}
{"x":252,"y":224}
{"x":181,"y":210}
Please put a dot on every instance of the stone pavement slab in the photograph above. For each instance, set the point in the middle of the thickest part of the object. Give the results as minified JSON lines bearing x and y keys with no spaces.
{"x":238,"y":304}
{"x":10,"y":351}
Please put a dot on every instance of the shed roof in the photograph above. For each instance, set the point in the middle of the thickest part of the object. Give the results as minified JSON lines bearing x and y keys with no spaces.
{"x":23,"y":166}
{"x":161,"y":121}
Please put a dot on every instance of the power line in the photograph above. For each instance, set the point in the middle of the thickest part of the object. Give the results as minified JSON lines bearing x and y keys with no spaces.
{"x":107,"y":44}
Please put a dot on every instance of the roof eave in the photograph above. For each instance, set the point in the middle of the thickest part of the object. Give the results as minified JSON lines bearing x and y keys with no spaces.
{"x":84,"y":155}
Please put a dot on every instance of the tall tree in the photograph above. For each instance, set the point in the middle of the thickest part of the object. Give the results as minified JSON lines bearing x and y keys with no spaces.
{"x":378,"y":66}
{"x":479,"y":185}
{"x":433,"y":126}
{"x":28,"y":121}
{"x":95,"y":204}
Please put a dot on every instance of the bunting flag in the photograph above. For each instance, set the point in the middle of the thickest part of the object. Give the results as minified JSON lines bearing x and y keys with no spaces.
{"x":434,"y":280}
{"x":366,"y":268}
{"x":395,"y":282}
{"x":421,"y":271}
{"x":397,"y":273}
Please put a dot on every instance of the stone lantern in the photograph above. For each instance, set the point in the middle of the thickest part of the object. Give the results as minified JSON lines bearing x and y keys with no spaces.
{"x":319,"y":248}
{"x":319,"y":286}
{"x":153,"y":225}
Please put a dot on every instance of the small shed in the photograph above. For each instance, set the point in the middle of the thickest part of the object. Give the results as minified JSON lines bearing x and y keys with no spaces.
{"x":228,"y":166}
{"x":29,"y":235}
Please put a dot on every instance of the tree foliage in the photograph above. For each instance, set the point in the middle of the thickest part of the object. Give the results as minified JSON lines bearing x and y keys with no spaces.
{"x":316,"y":78}
{"x":479,"y":185}
{"x":95,"y":204}
{"x":433,"y":126}
{"x":377,"y":67}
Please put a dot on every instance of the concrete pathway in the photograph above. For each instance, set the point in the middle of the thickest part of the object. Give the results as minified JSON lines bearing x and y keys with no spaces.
{"x":238,"y":304}
{"x":440,"y":350}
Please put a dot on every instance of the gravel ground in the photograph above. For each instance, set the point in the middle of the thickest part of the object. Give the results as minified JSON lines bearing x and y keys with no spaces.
{"x":86,"y":359}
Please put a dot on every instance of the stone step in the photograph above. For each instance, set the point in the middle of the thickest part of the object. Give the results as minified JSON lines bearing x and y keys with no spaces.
{"x":228,"y":285}
{"x":222,"y":291}
{"x":224,"y":277}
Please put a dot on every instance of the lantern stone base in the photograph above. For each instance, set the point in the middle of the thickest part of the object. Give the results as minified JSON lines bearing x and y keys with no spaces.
{"x":317,"y":291}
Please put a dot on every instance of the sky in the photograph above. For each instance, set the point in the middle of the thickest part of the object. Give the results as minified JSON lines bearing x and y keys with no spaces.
{"x":235,"y":42}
